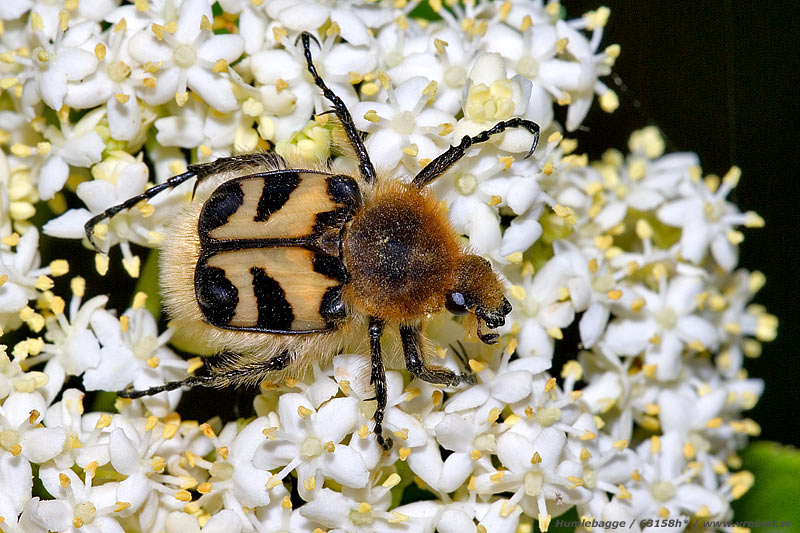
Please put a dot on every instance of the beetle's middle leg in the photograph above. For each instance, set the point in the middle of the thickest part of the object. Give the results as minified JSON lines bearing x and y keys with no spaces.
{"x":378,"y":379}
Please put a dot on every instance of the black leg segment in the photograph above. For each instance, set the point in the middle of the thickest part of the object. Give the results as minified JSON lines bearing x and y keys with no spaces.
{"x":200,"y":171}
{"x":441,"y":164}
{"x":230,"y":372}
{"x":378,"y":379}
{"x":364,"y":163}
{"x":410,"y":337}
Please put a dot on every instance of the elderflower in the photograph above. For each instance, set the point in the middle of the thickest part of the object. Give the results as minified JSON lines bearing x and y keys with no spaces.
{"x":633,"y":254}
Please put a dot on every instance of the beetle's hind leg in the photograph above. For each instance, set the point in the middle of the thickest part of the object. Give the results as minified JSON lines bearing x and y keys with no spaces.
{"x":233,"y":370}
{"x":410,"y":337}
{"x":200,"y":171}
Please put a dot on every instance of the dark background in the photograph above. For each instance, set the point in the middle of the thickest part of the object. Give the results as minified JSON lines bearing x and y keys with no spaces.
{"x":720,"y":79}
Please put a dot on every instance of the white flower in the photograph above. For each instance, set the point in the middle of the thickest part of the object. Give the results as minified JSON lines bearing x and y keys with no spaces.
{"x":582,"y":82}
{"x":446,"y":59}
{"x":536,"y":473}
{"x":77,"y":145}
{"x":21,"y":272}
{"x":489,"y":97}
{"x":404,"y":128}
{"x":306,"y":15}
{"x":87,"y":435}
{"x":664,"y":325}
{"x":366,"y":510}
{"x":667,"y":483}
{"x":532,"y":53}
{"x":71,"y":345}
{"x":541,"y":310}
{"x":707,"y":221}
{"x":189,"y":57}
{"x":118,"y":177}
{"x":79,"y":505}
{"x":134,"y":353}
{"x":61,"y":58}
{"x":23,"y":443}
{"x":309,"y":440}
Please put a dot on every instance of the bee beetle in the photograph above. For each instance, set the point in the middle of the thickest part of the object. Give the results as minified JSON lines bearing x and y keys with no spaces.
{"x":282,"y":267}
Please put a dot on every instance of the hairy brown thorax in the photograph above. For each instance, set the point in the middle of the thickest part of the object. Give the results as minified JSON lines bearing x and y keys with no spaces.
{"x":401,"y":254}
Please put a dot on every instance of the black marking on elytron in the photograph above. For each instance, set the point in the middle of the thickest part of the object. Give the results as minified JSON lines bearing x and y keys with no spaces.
{"x":223,"y":202}
{"x":216,"y":295}
{"x":274,"y":311}
{"x":332,"y":307}
{"x":278,"y":187}
{"x":344,"y":190}
{"x":331,"y":267}
{"x":335,"y":218}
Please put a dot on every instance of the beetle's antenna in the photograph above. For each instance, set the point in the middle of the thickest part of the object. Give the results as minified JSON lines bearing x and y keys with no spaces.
{"x":441,"y":164}
{"x":364,"y":163}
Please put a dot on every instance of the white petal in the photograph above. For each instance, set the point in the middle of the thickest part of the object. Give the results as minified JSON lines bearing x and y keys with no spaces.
{"x":252,"y":28}
{"x":345,"y":466}
{"x":426,"y":462}
{"x":190,"y":18}
{"x":694,"y":328}
{"x":42,"y":444}
{"x":724,"y":252}
{"x":534,"y":341}
{"x":520,"y":235}
{"x":628,"y":337}
{"x":55,"y":514}
{"x":215,"y":90}
{"x":455,"y":470}
{"x":144,"y":46}
{"x":304,"y":17}
{"x":454,"y":521}
{"x":185,"y":131}
{"x":510,"y":387}
{"x":484,"y":229}
{"x":335,"y":419}
{"x":18,"y":406}
{"x":385,"y":148}
{"x":74,"y":64}
{"x":352,"y":29}
{"x":52,"y":176}
{"x":83,"y":150}
{"x":677,"y":213}
{"x":89,"y":93}
{"x":488,"y":67}
{"x":468,"y":398}
{"x":124,"y":119}
{"x":521,"y":194}
{"x":270,"y":65}
{"x":593,"y":323}
{"x":16,"y":479}
{"x":328,"y":508}
{"x":344,"y":58}
{"x":124,"y":455}
{"x":227,"y":46}
{"x":224,"y":521}
{"x":694,"y":240}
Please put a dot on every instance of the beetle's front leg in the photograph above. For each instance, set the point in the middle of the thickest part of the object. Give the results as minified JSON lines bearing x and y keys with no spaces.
{"x":410,"y":337}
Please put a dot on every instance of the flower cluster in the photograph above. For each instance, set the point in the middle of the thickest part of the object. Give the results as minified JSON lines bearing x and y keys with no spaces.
{"x":636,"y":253}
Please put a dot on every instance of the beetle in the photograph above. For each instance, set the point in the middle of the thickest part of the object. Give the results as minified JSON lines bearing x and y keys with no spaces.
{"x":280,"y":267}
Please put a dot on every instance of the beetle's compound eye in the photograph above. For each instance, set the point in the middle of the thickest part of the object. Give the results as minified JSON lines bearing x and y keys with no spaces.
{"x":456,"y":303}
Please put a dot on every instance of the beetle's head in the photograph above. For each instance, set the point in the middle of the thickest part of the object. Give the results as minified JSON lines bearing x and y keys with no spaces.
{"x":478,"y":290}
